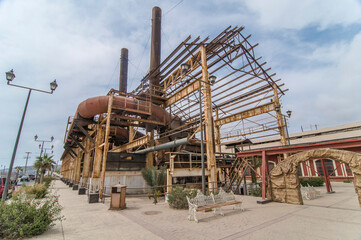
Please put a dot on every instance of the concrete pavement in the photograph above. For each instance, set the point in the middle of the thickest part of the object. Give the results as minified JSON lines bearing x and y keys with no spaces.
{"x":332,"y":216}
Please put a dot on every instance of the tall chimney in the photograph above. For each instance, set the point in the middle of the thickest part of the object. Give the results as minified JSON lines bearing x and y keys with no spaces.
{"x":123,"y":76}
{"x":155,"y":47}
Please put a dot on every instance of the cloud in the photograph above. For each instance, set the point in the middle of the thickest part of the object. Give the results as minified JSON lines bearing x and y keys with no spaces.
{"x":280,"y":14}
{"x":79,"y":42}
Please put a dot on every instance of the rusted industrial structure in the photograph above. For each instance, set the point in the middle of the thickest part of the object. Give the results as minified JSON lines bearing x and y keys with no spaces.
{"x":212,"y":89}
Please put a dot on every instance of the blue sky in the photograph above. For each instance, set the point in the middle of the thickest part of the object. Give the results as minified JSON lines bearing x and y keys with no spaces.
{"x":314,"y":46}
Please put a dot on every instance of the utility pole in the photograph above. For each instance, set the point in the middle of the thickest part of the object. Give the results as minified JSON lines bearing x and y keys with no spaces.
{"x":26,"y":164}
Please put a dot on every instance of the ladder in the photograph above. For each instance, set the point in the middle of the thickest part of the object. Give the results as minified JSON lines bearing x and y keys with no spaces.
{"x":236,"y":173}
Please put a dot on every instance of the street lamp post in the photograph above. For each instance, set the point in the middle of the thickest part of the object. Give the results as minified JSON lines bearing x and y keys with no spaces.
{"x":27,"y":158}
{"x":289,"y":112}
{"x":41,"y":146}
{"x":9,"y":77}
{"x":185,"y":67}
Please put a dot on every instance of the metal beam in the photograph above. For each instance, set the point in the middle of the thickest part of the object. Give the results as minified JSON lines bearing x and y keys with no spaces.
{"x":77,"y":142}
{"x":71,"y":150}
{"x":185,"y":91}
{"x":268,"y":107}
{"x":84,"y":131}
{"x":133,"y":144}
{"x":345,"y":144}
{"x":141,"y":120}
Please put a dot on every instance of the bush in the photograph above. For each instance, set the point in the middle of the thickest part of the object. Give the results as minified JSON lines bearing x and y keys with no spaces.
{"x":177,"y":197}
{"x":155,"y":178}
{"x":347,"y":181}
{"x":47,"y":180}
{"x":256,"y":190}
{"x":37,"y":191}
{"x":313,"y":182}
{"x":21,"y":217}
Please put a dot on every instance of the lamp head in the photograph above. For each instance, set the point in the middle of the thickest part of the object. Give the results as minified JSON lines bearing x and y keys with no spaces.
{"x":10,"y":76}
{"x":278,"y":108}
{"x":52,"y":138}
{"x":185,"y":67}
{"x":289,"y":112}
{"x":212,"y":79}
{"x":36,"y":137}
{"x":53,"y":85}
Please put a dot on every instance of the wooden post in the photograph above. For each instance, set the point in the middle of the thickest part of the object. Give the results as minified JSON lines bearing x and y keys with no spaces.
{"x":209,"y":123}
{"x":325,"y":176}
{"x":281,"y":124}
{"x":149,"y":157}
{"x":87,"y":162}
{"x":77,"y":163}
{"x":98,"y":150}
{"x":106,"y":146}
{"x":218,"y":134}
{"x":264,"y":165}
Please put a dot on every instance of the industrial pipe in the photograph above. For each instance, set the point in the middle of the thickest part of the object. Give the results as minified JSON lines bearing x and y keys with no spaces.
{"x":123,"y":76}
{"x":155,"y":45}
{"x":174,"y":143}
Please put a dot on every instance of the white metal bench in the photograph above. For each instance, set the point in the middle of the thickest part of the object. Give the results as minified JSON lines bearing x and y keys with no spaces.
{"x":309,"y":192}
{"x":212,"y":202}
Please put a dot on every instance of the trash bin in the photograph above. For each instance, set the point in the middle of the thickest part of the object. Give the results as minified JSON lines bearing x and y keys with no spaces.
{"x":117,"y":197}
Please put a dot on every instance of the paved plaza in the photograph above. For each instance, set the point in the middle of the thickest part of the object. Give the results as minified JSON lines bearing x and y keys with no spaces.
{"x":332,"y":216}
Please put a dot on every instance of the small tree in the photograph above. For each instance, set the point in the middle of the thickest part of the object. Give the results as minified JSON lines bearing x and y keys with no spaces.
{"x":154,"y":178}
{"x":255,"y":163}
{"x":18,"y":169}
{"x":43,"y":164}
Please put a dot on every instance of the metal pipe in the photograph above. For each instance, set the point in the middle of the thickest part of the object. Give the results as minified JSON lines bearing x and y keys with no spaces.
{"x":123,"y":76}
{"x":174,"y":143}
{"x":155,"y":45}
{"x":202,"y":150}
{"x":5,"y":192}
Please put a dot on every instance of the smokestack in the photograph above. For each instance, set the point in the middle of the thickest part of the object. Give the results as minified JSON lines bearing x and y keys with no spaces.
{"x":155,"y":45}
{"x":123,"y":76}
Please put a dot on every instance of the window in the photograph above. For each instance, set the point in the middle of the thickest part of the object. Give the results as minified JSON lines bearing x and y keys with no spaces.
{"x":328,"y":165}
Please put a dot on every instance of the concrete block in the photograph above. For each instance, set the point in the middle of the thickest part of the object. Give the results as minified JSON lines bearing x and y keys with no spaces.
{"x":81,"y":191}
{"x":93,"y":197}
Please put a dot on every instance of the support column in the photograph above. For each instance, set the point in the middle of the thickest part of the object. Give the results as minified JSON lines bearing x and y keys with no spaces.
{"x":99,"y":140}
{"x":87,"y":163}
{"x":77,"y":163}
{"x":209,"y":123}
{"x":106,"y":146}
{"x":218,"y":134}
{"x":264,"y":165}
{"x":281,"y":124}
{"x":149,"y":157}
{"x":325,"y":176}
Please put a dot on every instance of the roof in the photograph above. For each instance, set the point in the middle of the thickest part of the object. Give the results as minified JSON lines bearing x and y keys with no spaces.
{"x":341,"y":132}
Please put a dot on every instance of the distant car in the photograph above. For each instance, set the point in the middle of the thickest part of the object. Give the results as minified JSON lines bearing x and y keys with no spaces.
{"x":2,"y":185}
{"x":32,"y":176}
{"x":25,"y":178}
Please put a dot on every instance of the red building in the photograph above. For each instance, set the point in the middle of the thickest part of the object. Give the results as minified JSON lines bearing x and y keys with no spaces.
{"x":344,"y":137}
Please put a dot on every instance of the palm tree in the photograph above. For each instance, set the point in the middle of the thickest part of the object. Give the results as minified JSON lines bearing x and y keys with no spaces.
{"x":43,"y":164}
{"x":18,"y":169}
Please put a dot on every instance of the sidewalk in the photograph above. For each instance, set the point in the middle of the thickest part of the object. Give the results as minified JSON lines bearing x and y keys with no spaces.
{"x":333,"y":216}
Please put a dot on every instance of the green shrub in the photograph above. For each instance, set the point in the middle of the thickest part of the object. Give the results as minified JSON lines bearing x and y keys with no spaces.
{"x":155,"y":178}
{"x":37,"y":191}
{"x":313,"y":182}
{"x":257,"y":190}
{"x":347,"y":181}
{"x":177,"y":197}
{"x":47,"y":180}
{"x":23,"y":217}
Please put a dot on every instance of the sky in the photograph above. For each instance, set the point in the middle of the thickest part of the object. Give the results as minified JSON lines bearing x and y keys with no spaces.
{"x":314,"y":46}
